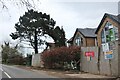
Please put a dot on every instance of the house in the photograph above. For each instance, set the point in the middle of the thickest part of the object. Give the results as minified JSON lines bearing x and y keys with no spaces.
{"x":108,"y":29}
{"x":109,"y":45}
{"x":50,"y":45}
{"x":83,"y":37}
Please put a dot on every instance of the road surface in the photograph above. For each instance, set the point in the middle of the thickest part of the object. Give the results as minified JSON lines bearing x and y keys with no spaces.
{"x":12,"y":72}
{"x":2,"y":73}
{"x":15,"y":72}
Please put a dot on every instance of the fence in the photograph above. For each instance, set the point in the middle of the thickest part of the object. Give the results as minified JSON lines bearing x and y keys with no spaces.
{"x":89,"y":63}
{"x":94,"y":60}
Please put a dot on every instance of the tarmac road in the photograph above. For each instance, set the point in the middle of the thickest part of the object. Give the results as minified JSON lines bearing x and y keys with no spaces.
{"x":15,"y":72}
{"x":2,"y":73}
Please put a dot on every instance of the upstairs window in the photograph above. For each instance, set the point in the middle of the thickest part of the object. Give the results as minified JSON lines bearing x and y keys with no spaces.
{"x":103,"y":36}
{"x":109,"y":33}
{"x":78,"y":41}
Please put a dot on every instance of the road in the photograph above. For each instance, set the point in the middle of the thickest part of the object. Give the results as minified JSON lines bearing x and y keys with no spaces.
{"x":15,"y":72}
{"x":2,"y":73}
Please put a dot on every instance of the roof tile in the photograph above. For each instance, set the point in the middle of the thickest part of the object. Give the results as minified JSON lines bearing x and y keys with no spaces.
{"x":87,"y":32}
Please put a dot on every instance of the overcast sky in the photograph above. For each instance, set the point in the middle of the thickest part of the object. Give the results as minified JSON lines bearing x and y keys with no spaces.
{"x":70,"y":14}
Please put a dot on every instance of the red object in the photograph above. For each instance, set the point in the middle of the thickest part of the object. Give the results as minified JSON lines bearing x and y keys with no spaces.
{"x":91,"y":53}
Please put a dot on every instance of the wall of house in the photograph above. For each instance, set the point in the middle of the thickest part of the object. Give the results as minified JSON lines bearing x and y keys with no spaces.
{"x":86,"y":41}
{"x":90,"y":42}
{"x":105,"y":66}
{"x":111,"y":66}
{"x":102,"y":26}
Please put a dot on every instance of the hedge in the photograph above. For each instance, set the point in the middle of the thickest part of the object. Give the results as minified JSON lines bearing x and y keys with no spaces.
{"x":56,"y":57}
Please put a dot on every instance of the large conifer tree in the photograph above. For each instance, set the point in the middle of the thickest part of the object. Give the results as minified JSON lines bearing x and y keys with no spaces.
{"x":34,"y":25}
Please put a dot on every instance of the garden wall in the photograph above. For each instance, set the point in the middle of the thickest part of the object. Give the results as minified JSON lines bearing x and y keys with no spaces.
{"x":36,"y":60}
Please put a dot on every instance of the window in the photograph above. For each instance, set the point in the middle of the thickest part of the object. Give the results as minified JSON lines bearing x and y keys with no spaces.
{"x":78,"y":41}
{"x":103,"y":36}
{"x":109,"y":33}
{"x":81,"y":41}
{"x":116,"y":33}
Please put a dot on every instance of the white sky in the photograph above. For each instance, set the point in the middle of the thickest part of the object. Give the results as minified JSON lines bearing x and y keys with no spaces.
{"x":70,"y":14}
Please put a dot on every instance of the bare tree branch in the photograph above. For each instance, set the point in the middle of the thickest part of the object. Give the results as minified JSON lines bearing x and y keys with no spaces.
{"x":29,"y":4}
{"x":3,"y":5}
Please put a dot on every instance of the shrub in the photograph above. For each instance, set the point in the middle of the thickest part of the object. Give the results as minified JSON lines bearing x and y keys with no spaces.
{"x":15,"y":60}
{"x":56,"y":57}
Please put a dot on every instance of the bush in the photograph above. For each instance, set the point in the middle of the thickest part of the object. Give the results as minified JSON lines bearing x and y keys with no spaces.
{"x":56,"y":58}
{"x":15,"y":60}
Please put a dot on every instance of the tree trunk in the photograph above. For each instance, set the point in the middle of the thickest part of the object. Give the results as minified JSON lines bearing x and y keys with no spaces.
{"x":36,"y":42}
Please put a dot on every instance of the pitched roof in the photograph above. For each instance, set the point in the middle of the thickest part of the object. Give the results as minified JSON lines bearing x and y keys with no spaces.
{"x":87,"y":32}
{"x":118,"y":18}
{"x":70,"y":40}
{"x":113,"y":17}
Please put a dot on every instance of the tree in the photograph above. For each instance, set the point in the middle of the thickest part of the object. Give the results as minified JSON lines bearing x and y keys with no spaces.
{"x":59,"y":36}
{"x":33,"y":25}
{"x":11,"y":54}
{"x":5,"y":52}
{"x":20,"y":3}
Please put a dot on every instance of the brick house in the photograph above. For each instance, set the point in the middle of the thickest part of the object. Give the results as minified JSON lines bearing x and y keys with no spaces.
{"x":83,"y":37}
{"x":108,"y":29}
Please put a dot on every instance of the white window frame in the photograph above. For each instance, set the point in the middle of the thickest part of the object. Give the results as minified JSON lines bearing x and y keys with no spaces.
{"x":78,"y":41}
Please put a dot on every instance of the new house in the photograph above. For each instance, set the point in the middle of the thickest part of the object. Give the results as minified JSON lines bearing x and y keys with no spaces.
{"x":83,"y":37}
{"x":107,"y":30}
